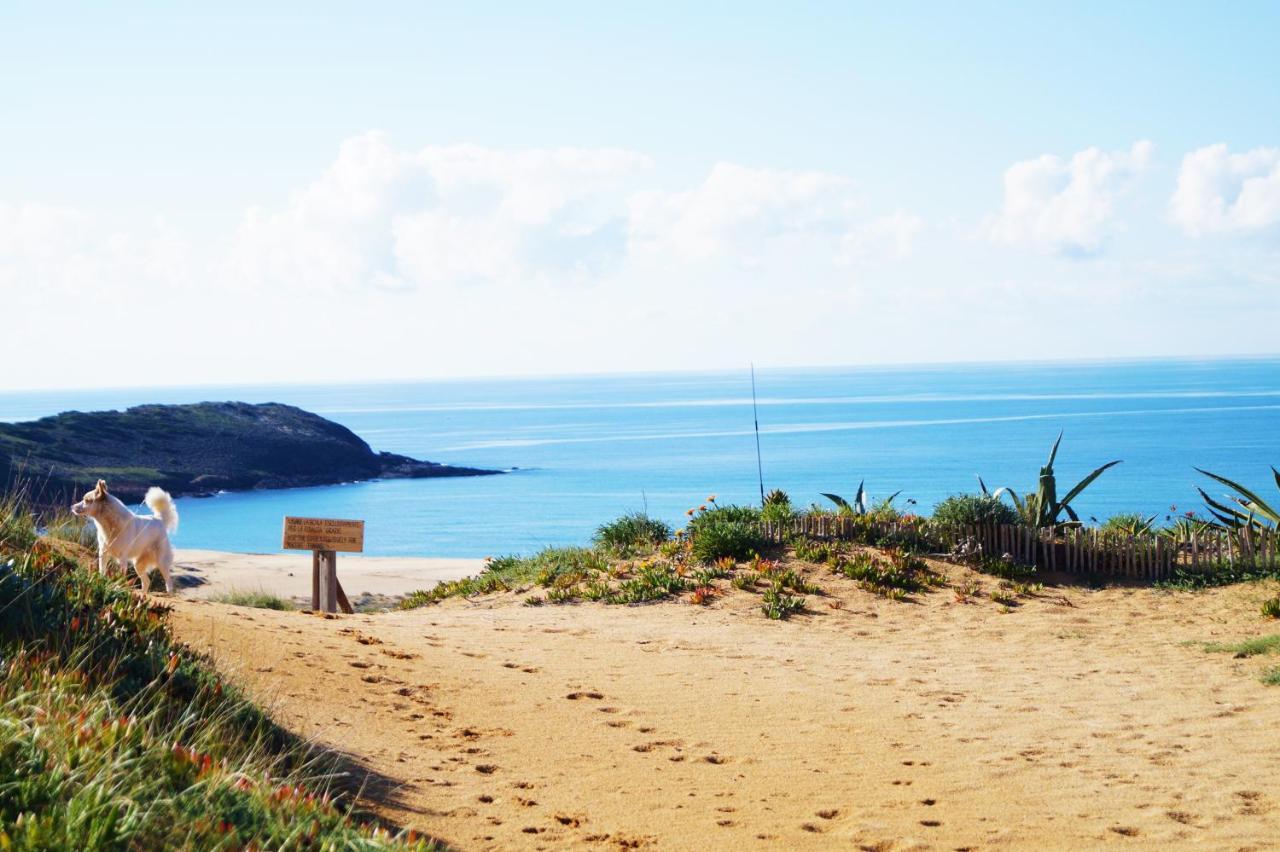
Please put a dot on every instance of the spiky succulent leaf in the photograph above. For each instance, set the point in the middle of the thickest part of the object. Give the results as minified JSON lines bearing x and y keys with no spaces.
{"x":1053,"y":453}
{"x":1257,"y":504}
{"x":1222,"y":512}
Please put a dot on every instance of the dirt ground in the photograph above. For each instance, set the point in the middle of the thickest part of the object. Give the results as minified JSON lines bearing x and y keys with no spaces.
{"x":1077,"y":719}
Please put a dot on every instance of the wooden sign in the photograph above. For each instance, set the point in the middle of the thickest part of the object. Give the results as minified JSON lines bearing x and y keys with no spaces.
{"x":323,"y":534}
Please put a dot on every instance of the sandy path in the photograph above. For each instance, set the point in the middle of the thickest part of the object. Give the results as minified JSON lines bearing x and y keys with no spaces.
{"x":881,"y":725}
{"x":204,"y":573}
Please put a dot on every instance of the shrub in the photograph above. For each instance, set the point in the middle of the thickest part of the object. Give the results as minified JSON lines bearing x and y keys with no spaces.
{"x":721,"y":514}
{"x":651,"y":583}
{"x":725,"y":531}
{"x":1223,"y":574}
{"x":631,"y":533}
{"x":896,"y":576}
{"x":1129,"y":523}
{"x":777,"y":506}
{"x":815,"y":551}
{"x":778,"y":605}
{"x":735,"y":539}
{"x":973,"y":510}
{"x":1271,"y":608}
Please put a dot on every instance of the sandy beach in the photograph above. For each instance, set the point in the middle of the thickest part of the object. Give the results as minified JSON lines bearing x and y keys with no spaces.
{"x":208,"y":573}
{"x":1078,"y":719}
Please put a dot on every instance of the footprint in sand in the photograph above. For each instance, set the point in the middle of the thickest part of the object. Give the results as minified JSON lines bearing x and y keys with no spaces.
{"x":576,"y":696}
{"x":656,"y":744}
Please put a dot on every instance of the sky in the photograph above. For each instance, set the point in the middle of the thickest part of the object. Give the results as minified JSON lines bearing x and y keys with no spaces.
{"x":321,"y":192}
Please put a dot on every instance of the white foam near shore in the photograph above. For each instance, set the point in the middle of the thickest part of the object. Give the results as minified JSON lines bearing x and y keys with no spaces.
{"x":206,"y":573}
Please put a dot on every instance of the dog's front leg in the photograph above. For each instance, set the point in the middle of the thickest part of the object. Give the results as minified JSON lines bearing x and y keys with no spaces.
{"x":104,"y":563}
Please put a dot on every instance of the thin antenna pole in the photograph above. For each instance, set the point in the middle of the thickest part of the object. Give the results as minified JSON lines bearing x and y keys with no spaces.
{"x":755,"y":414}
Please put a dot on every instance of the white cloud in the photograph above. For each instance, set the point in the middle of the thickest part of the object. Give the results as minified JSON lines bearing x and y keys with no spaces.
{"x":444,"y":216}
{"x":61,"y":251}
{"x":740,"y":210}
{"x":889,"y":236}
{"x":450,"y":214}
{"x":1066,"y":206}
{"x":1223,"y":192}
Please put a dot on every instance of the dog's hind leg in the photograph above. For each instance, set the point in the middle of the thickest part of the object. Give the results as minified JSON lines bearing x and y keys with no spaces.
{"x":164,"y":561}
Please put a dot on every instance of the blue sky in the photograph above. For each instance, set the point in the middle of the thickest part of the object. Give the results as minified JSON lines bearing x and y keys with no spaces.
{"x":462,"y":189}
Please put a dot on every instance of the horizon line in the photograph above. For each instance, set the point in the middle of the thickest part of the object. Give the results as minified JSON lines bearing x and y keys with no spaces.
{"x":535,"y":377}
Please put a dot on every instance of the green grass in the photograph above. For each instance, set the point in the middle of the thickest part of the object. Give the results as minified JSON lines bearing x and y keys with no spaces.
{"x":256,"y":598}
{"x":1247,"y":648}
{"x":1271,"y":608}
{"x":1271,"y":677}
{"x":513,"y":573}
{"x":115,"y":736}
{"x":568,"y":573}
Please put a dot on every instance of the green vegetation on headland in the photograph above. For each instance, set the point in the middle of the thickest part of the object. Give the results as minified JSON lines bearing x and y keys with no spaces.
{"x":114,"y":736}
{"x":194,"y":449}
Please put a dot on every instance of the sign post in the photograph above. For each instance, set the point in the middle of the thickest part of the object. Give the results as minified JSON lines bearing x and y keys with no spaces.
{"x":325,"y":537}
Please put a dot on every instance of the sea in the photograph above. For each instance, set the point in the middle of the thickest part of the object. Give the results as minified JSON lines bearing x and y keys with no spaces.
{"x":582,"y":450}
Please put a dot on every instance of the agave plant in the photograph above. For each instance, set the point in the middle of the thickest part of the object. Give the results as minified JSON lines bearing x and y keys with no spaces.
{"x":1130,"y":523}
{"x":859,"y":504}
{"x":1183,"y":528}
{"x":1043,"y":508}
{"x":1249,"y":510}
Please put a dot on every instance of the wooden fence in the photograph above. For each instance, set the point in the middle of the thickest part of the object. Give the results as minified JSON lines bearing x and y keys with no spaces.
{"x":1060,"y":549}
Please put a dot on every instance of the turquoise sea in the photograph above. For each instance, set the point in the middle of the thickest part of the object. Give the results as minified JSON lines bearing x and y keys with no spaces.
{"x":590,"y":448}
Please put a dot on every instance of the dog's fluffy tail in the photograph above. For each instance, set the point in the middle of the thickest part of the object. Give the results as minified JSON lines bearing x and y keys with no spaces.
{"x":159,"y":501}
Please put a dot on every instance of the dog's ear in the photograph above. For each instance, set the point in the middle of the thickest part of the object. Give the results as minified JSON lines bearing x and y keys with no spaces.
{"x":102,"y":486}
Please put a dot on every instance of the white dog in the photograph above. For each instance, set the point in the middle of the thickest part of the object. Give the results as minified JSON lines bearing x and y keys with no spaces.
{"x":129,"y":537}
